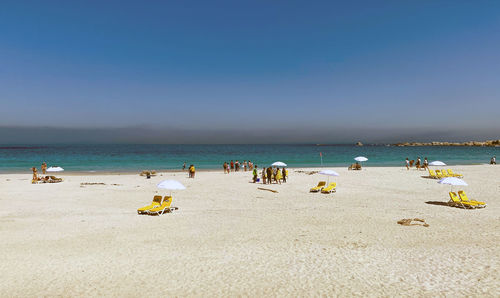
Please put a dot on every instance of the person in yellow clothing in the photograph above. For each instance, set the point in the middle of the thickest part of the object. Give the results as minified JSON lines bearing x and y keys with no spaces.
{"x":192,"y":170}
{"x":278,"y":175}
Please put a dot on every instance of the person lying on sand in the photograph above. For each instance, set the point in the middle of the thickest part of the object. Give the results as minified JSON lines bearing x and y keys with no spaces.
{"x":354,"y":166}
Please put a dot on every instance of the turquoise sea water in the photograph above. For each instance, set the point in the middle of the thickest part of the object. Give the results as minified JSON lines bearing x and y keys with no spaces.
{"x":20,"y":158}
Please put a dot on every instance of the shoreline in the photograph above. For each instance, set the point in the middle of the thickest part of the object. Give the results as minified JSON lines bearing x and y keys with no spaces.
{"x":213,"y":170}
{"x":166,"y":171}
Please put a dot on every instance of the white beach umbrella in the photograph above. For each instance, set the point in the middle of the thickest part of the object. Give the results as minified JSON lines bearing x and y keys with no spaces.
{"x":55,"y":169}
{"x":171,"y":185}
{"x":437,"y":163}
{"x":279,"y":164}
{"x":360,"y":158}
{"x":329,"y":173}
{"x":452,"y":181}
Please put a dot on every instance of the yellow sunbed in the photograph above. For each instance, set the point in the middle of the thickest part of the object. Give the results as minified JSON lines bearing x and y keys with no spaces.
{"x":432,"y":174}
{"x":156,"y":202}
{"x":330,"y":188}
{"x":455,"y":201}
{"x":445,"y":174}
{"x":464,"y":198}
{"x":163,"y":208}
{"x":320,"y":186}
{"x":450,"y":172}
{"x":439,"y":175}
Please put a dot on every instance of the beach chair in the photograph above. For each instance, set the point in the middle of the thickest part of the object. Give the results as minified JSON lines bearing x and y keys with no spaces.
{"x":439,"y":175}
{"x":163,"y":208}
{"x":450,"y":172}
{"x":465,"y":199}
{"x":330,"y":188}
{"x":432,"y":174}
{"x":320,"y":186}
{"x":445,"y":173}
{"x":456,"y":202}
{"x":156,"y":202}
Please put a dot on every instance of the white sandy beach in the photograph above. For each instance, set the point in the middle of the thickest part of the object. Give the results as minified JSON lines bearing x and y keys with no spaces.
{"x":228,"y":238}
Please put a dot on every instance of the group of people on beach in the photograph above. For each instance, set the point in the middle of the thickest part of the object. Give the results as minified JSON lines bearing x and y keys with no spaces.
{"x":418,"y":164}
{"x":35,"y":171}
{"x":271,"y":174}
{"x":49,"y":179}
{"x":235,"y":166}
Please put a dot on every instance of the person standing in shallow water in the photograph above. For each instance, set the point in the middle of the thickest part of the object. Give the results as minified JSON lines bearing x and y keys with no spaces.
{"x":184,"y":166}
{"x":407,"y":163}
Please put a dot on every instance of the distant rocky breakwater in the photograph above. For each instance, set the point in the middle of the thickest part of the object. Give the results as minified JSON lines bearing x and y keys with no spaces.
{"x":489,"y":143}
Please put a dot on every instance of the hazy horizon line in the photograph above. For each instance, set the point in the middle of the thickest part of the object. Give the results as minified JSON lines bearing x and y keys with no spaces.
{"x":299,"y":135}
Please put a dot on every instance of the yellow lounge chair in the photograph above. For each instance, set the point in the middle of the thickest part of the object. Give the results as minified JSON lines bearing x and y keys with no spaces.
{"x":320,"y":186}
{"x":432,"y":174}
{"x":456,"y":202}
{"x":444,"y":173}
{"x":163,"y":208}
{"x":464,"y":198}
{"x":330,"y":188}
{"x":156,"y":202}
{"x":450,"y":172}
{"x":439,"y":175}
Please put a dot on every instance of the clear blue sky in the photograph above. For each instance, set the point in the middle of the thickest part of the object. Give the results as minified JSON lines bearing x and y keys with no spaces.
{"x":413,"y":68}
